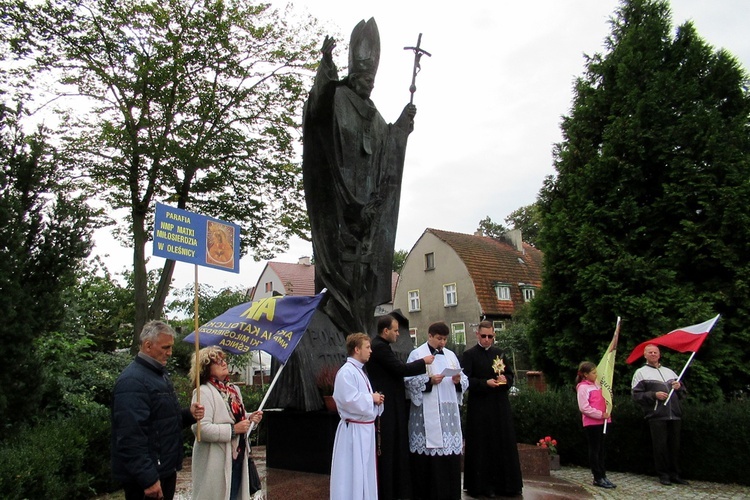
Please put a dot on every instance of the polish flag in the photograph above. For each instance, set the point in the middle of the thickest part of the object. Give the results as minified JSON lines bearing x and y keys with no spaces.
{"x":687,"y":339}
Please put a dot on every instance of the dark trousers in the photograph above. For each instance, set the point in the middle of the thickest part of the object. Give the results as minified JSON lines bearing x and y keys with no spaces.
{"x":436,"y":477}
{"x":237,"y":467}
{"x":665,"y":439}
{"x":597,"y":450}
{"x":168,"y":484}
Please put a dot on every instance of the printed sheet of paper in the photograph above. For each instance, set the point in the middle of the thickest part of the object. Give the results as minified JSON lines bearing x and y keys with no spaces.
{"x":449,"y":372}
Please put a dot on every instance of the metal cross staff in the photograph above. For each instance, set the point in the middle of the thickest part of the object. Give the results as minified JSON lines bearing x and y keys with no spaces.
{"x":417,"y":68}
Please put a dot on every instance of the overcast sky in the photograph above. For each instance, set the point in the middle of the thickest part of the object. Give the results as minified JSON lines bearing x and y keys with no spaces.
{"x":489,"y":100}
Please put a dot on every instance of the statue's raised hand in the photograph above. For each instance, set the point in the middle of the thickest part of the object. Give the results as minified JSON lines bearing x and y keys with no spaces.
{"x":327,"y":49}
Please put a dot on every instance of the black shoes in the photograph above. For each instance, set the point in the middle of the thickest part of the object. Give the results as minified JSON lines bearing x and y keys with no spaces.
{"x":665,"y":481}
{"x":679,"y":480}
{"x":604,"y":483}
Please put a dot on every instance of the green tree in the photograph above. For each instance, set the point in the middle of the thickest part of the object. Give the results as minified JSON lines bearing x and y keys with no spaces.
{"x":399,"y":257}
{"x":191,"y":104}
{"x":647,"y":217}
{"x":492,"y":229}
{"x":211,"y":303}
{"x":527,"y":220}
{"x":102,"y":306}
{"x":45,"y":229}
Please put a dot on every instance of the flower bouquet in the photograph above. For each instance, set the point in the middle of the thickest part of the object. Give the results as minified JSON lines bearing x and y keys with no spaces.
{"x":550,"y":444}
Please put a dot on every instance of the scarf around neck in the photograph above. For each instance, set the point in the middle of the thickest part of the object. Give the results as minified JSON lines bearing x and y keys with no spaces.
{"x":231,"y":397}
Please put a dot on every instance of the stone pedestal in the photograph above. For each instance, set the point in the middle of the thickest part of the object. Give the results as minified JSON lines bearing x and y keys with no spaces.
{"x":534,"y":460}
{"x":300,"y":440}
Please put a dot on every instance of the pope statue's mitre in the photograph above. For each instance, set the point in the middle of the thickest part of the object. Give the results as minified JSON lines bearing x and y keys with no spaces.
{"x":364,"y":48}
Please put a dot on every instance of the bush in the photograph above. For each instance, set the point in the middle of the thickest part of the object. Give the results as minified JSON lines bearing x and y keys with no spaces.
{"x":706,"y":430}
{"x":58,"y":459}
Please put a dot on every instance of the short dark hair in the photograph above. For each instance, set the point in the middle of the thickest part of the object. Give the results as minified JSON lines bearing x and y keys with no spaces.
{"x":438,"y":328}
{"x":384,"y":322}
{"x":485,"y":324}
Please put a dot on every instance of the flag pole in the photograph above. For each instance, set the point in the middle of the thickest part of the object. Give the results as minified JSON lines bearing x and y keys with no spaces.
{"x":197,"y":355}
{"x":265,"y":398}
{"x":606,"y":369}
{"x":679,"y":379}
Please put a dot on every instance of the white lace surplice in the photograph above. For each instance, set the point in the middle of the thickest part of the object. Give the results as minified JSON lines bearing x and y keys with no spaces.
{"x":434,"y":417}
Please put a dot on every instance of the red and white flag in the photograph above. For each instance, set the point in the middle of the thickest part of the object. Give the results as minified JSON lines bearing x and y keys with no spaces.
{"x":687,"y":339}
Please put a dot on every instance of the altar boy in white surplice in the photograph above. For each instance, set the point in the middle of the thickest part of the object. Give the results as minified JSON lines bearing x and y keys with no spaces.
{"x":353,"y":465}
{"x":435,"y":439}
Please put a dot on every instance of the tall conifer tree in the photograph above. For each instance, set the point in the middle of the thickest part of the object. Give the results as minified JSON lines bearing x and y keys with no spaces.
{"x":648,"y":215}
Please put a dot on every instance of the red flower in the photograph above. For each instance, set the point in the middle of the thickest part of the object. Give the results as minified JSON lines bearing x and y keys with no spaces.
{"x":549,"y":444}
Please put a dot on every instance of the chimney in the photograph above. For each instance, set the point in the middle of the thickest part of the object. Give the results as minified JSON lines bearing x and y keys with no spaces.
{"x":514,"y":237}
{"x":304,"y":260}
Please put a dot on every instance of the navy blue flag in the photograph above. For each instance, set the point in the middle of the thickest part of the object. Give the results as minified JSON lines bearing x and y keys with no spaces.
{"x":274,"y":325}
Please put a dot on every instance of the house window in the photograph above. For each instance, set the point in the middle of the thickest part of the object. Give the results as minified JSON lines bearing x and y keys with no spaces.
{"x":528,"y":293}
{"x":498,"y":326}
{"x":449,"y":294}
{"x":269,"y":286}
{"x":502,"y":290}
{"x":429,"y":261}
{"x":413,"y":336}
{"x":414,"y":304}
{"x":459,"y":333}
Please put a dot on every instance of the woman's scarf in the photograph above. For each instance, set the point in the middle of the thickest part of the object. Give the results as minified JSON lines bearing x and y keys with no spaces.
{"x":231,"y":397}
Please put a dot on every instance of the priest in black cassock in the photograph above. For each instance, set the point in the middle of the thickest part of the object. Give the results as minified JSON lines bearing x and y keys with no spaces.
{"x":491,"y":464}
{"x":387,"y":372}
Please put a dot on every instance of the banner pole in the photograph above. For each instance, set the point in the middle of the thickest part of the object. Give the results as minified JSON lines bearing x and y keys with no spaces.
{"x":679,"y":379}
{"x":197,"y":354}
{"x":265,"y":398}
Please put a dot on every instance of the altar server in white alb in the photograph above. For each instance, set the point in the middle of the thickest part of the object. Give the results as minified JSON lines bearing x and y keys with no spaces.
{"x":435,"y":439}
{"x":353,"y":465}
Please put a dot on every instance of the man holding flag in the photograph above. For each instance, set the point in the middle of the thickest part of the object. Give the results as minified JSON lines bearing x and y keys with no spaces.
{"x":650,"y":388}
{"x":658,"y":391}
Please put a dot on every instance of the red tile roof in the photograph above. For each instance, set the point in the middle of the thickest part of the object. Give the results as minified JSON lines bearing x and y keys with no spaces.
{"x":491,"y":261}
{"x":297,"y":279}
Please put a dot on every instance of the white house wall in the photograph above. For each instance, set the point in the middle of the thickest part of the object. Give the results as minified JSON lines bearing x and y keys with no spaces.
{"x":449,"y":268}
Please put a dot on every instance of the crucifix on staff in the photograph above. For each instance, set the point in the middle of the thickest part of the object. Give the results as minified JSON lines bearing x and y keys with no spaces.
{"x":418,"y":53}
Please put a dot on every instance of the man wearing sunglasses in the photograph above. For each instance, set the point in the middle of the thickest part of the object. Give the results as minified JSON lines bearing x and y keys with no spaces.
{"x":491,"y":464}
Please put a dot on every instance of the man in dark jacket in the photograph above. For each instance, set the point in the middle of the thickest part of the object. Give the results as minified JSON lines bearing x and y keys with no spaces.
{"x":147,"y":420}
{"x":387,"y":372}
{"x":651,"y":386}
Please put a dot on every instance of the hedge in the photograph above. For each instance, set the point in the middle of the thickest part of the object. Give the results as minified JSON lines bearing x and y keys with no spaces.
{"x":715,"y":436}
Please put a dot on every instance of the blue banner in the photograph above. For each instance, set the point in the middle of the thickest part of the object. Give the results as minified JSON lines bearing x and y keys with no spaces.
{"x":274,"y":325}
{"x":197,"y":239}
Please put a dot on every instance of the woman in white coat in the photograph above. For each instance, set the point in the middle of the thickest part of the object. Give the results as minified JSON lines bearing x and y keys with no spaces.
{"x":220,"y":458}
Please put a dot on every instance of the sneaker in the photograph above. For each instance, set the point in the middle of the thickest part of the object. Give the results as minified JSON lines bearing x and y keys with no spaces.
{"x":611,"y":484}
{"x":602,"y":483}
{"x":679,"y":480}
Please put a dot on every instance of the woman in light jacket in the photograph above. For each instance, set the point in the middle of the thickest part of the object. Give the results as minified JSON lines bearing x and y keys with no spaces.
{"x":220,"y":458}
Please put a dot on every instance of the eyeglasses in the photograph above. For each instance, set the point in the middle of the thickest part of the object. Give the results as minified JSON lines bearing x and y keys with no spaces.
{"x":220,"y":362}
{"x":486,"y":336}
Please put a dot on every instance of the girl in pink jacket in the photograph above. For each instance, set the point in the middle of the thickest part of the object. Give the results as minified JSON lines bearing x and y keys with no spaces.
{"x":593,"y":413}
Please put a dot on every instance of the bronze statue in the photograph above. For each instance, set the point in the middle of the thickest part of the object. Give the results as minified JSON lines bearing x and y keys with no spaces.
{"x":352,"y":166}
